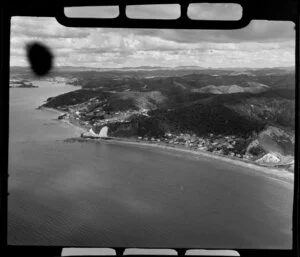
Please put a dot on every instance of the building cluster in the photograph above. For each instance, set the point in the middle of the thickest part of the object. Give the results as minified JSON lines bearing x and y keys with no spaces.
{"x":218,"y":144}
{"x":92,"y":113}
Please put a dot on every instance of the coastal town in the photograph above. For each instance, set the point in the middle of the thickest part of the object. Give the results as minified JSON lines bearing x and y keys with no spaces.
{"x":91,"y":116}
{"x":252,"y":123}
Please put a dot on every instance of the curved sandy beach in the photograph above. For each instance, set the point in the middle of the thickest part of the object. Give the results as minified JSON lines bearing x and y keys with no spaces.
{"x":275,"y":173}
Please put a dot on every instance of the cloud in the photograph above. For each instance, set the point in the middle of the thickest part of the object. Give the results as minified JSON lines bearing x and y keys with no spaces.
{"x":261,"y":44}
{"x":43,"y":28}
{"x":262,"y":31}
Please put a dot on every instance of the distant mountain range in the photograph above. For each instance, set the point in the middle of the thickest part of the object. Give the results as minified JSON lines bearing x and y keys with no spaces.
{"x":82,"y":68}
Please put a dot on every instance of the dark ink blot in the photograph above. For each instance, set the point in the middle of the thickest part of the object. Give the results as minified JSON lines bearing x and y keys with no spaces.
{"x":40,"y":58}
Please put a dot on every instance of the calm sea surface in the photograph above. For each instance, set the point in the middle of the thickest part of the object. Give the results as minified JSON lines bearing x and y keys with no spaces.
{"x":85,"y":194}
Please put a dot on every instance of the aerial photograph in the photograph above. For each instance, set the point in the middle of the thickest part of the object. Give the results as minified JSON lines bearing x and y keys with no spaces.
{"x":152,"y":137}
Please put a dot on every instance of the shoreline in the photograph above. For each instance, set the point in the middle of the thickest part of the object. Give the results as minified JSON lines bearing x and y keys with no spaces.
{"x":50,"y":110}
{"x":277,"y":173}
{"x":71,"y":124}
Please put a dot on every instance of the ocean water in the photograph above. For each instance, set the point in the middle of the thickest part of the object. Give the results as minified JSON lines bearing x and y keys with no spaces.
{"x":105,"y":195}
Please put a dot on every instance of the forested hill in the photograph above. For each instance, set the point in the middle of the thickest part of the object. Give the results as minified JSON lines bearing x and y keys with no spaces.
{"x":151,"y":102}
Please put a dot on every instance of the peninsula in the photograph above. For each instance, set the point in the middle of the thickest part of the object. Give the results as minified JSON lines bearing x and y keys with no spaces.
{"x":246,"y":114}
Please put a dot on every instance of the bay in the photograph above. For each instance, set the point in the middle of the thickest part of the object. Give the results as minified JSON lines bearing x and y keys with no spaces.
{"x":105,"y":195}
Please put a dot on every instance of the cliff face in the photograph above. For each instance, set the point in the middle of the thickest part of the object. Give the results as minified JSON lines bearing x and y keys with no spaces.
{"x":273,"y":146}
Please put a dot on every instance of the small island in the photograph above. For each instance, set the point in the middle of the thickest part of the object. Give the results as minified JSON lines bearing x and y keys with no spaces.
{"x":21,"y":84}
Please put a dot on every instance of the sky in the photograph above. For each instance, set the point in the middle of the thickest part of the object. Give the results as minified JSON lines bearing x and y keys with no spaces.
{"x":260,"y":44}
